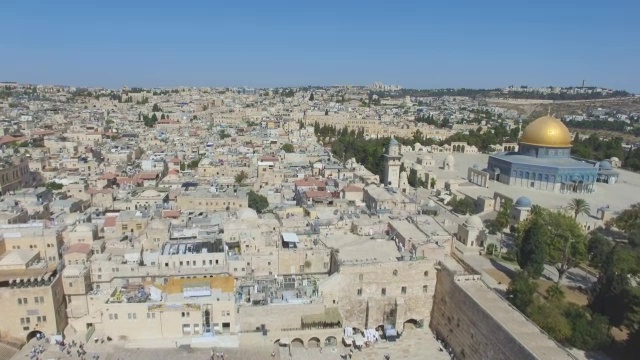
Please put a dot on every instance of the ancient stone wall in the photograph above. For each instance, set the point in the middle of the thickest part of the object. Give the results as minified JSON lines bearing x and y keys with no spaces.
{"x":467,"y":328}
{"x":374,"y":294}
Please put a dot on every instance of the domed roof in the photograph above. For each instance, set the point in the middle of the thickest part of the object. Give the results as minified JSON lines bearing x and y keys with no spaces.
{"x":546,"y":131}
{"x":247,"y":214}
{"x":474,"y":221}
{"x":605,"y":165}
{"x":449,"y":158}
{"x":403,"y":175}
{"x":394,"y":142}
{"x":523,"y":202}
{"x":614,"y":159}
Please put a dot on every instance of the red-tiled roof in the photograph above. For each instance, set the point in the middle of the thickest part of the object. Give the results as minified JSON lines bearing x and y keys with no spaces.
{"x":313,"y":194}
{"x":110,"y":221}
{"x":79,"y":248}
{"x":173,"y":214}
{"x":108,"y":176}
{"x":7,"y":139}
{"x":126,"y":180}
{"x":352,"y":188}
{"x":148,"y":176}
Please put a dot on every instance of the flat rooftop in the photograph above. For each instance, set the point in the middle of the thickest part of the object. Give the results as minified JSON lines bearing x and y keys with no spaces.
{"x":195,"y":247}
{"x":556,"y":162}
{"x":541,"y":345}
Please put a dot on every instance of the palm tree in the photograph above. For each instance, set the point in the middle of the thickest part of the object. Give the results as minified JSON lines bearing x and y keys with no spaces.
{"x":578,"y":206}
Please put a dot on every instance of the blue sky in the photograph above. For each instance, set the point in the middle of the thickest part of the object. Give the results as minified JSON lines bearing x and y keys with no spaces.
{"x":418,"y":44}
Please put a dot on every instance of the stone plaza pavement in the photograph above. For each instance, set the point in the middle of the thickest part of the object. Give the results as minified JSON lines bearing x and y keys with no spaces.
{"x":414,"y":344}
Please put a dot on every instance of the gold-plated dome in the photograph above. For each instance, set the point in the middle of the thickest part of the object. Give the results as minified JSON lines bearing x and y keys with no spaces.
{"x":546,"y":131}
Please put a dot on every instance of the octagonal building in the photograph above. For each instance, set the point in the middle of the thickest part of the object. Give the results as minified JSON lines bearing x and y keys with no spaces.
{"x":543,"y":161}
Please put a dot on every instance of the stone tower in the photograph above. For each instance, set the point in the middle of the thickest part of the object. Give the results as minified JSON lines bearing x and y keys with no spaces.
{"x":392,"y":164}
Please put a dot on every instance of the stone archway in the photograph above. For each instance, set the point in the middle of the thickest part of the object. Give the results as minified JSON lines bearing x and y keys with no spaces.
{"x":297,"y":342}
{"x":410,"y":324}
{"x":34,"y":334}
{"x":331,"y":341}
{"x":313,"y":342}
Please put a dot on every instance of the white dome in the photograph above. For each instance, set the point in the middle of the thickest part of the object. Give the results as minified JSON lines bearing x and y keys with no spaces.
{"x":614,"y":159}
{"x":474,"y":221}
{"x":449,"y":158}
{"x":247,"y":214}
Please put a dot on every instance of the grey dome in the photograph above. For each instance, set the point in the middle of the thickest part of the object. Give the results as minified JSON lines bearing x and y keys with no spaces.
{"x":394,"y":142}
{"x":474,"y":221}
{"x":605,"y":165}
{"x":523,"y":202}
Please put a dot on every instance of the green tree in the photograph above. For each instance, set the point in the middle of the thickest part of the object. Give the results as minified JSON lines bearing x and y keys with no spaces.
{"x":503,"y":220}
{"x":588,"y":331}
{"x":598,"y":247}
{"x":555,"y":294}
{"x":257,"y":202}
{"x":326,"y":112}
{"x":288,"y":148}
{"x":52,"y":185}
{"x":566,"y":243}
{"x":223,"y":134}
{"x":551,"y":319}
{"x":432,"y":182}
{"x":578,"y":206}
{"x":462,"y":206}
{"x":521,"y":291}
{"x":241,"y":177}
{"x":193,"y":164}
{"x":531,"y":247}
{"x":312,"y":97}
{"x":628,"y":220}
{"x":156,"y":108}
{"x":614,"y":294}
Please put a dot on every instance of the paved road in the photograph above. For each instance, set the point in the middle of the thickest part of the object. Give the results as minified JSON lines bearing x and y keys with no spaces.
{"x":573,"y":278}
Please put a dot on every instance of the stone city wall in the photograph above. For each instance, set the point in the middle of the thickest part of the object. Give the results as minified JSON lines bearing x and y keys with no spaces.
{"x":467,"y":328}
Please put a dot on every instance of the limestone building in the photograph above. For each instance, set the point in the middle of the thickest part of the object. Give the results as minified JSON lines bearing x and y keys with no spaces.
{"x":471,"y":235}
{"x":370,"y":295}
{"x":31,"y":296}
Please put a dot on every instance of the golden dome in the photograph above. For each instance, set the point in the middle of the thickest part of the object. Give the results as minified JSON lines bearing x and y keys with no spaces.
{"x":546,"y":131}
